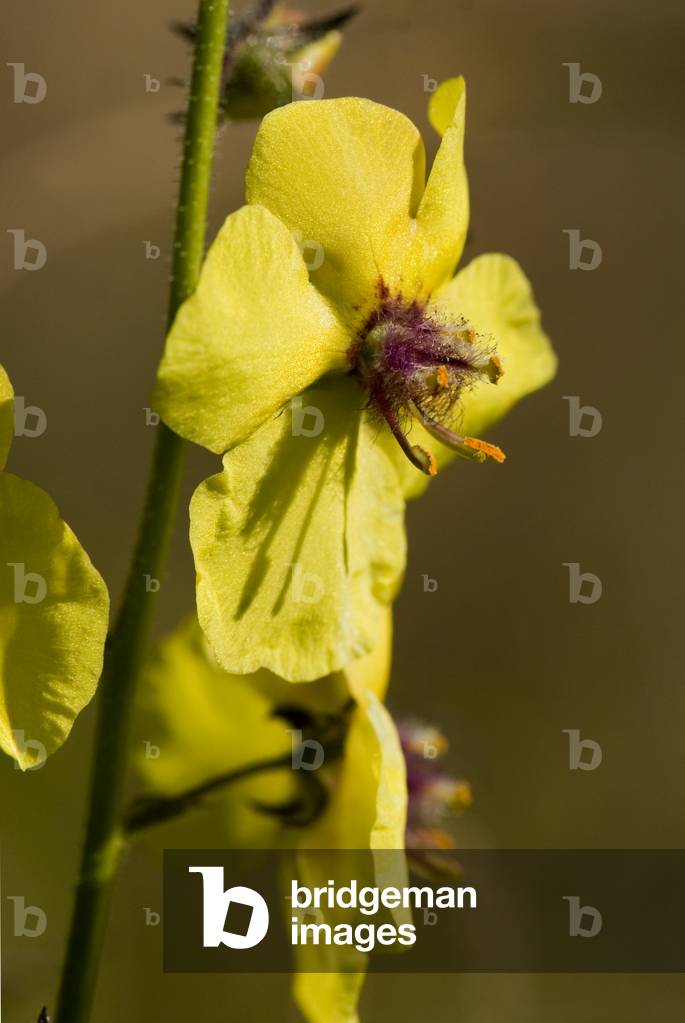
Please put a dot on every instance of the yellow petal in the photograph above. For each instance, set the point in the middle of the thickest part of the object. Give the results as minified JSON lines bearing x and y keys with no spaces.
{"x":53,"y":620}
{"x":6,"y":416}
{"x":372,"y":671}
{"x":442,"y":219}
{"x":310,"y":61}
{"x":327,"y":997}
{"x":254,"y":333}
{"x":367,"y":812}
{"x":495,"y":296}
{"x":347,"y":176}
{"x":195,"y":721}
{"x":203,"y":721}
{"x":444,"y":102}
{"x":299,"y":543}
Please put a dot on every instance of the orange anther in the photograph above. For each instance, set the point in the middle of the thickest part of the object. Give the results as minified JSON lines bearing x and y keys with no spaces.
{"x":491,"y":450}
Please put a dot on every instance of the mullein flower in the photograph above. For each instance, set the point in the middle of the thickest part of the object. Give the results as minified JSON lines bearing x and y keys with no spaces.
{"x":273,"y":55}
{"x":336,"y":386}
{"x":200,"y":723}
{"x":384,"y":788}
{"x":208,"y":724}
{"x":53,"y":614}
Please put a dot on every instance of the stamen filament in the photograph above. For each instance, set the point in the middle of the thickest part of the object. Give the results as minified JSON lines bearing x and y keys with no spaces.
{"x":468,"y":447}
{"x":417,"y":455}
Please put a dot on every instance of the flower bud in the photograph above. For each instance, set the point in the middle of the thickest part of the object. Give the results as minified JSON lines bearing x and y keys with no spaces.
{"x":274,"y":56}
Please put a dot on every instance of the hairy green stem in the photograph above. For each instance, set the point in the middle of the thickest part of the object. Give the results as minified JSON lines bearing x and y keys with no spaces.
{"x":129,"y":638}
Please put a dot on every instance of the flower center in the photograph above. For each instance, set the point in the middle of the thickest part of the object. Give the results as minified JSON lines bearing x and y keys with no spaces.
{"x":415,"y":366}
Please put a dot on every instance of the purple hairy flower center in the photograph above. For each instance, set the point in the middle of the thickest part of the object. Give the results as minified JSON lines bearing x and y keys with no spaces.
{"x":416,"y":365}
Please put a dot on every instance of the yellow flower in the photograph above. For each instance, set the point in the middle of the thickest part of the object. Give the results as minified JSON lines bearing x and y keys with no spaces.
{"x":54,"y":608}
{"x":335,"y":361}
{"x":200,"y":723}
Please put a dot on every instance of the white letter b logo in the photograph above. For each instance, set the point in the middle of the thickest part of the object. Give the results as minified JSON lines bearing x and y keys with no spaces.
{"x":216,"y":904}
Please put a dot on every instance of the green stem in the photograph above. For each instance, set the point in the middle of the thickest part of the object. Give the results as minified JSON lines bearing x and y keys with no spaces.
{"x":129,"y":638}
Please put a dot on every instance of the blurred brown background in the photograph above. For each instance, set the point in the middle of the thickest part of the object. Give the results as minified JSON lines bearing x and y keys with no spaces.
{"x":497,"y":655}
